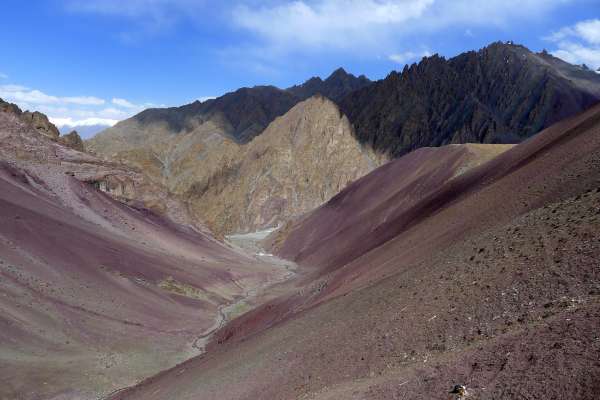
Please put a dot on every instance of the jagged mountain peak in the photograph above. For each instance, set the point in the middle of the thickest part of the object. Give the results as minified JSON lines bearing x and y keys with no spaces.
{"x":500,"y":93}
{"x":337,"y":85}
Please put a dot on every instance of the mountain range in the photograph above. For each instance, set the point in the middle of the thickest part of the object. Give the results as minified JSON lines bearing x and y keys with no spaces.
{"x":339,"y":239}
{"x":503,"y":93}
{"x":463,"y":271}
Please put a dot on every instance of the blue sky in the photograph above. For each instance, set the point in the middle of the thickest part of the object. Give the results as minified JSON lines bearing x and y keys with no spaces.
{"x":100,"y":61}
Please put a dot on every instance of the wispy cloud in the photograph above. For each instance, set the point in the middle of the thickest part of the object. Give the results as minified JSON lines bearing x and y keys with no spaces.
{"x":147,"y":17}
{"x":579,"y":43}
{"x":3,"y":76}
{"x":407,"y":56}
{"x":24,"y":94}
{"x":70,"y":122}
{"x":328,"y":23}
{"x":367,"y":25}
{"x":72,"y":111}
{"x":124,"y":103}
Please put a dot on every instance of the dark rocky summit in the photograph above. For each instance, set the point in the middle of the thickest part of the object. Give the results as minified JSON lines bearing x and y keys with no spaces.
{"x":335,"y":87}
{"x":245,"y":113}
{"x":502,"y":93}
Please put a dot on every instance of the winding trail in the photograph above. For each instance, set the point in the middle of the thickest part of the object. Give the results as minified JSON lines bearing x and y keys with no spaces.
{"x":248,"y":243}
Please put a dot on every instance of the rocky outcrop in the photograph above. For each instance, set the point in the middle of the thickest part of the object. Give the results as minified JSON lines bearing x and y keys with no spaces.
{"x":502,"y":93}
{"x":41,"y":123}
{"x":36,"y":119}
{"x":72,"y":140}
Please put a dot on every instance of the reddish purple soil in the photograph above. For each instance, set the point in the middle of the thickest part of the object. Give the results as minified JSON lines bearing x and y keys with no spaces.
{"x":491,"y":279}
{"x":96,"y":294}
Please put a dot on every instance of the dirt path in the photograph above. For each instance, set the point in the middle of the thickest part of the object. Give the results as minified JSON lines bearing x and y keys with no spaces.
{"x":250,"y":244}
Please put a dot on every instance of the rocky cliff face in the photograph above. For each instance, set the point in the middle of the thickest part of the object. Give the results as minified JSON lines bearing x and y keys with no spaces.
{"x":299,"y":162}
{"x":501,"y":93}
{"x":35,"y":119}
{"x":72,"y":140}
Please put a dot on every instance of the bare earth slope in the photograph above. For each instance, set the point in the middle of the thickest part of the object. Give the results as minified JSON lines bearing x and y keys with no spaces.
{"x":369,"y":202}
{"x":492,"y":280}
{"x":96,"y":294}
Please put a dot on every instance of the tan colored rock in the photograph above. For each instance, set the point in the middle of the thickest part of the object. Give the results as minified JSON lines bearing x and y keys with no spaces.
{"x":72,"y":140}
{"x":35,"y":119}
{"x":41,"y":123}
{"x":299,"y":162}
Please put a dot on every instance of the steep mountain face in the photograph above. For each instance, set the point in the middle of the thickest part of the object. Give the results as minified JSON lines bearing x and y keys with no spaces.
{"x":502,"y":93}
{"x":300,"y":161}
{"x":97,"y":291}
{"x":335,"y":87}
{"x":489,"y":279}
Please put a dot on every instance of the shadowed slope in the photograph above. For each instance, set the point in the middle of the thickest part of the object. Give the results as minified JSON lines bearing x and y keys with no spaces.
{"x":503,"y":93}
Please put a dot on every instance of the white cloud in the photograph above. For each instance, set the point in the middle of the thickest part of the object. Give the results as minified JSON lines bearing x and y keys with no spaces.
{"x":147,"y":17}
{"x":70,"y":122}
{"x":373,"y":25}
{"x":71,"y":111}
{"x":576,"y":53}
{"x":205,"y":98}
{"x":3,"y":76}
{"x":23,"y":94}
{"x":579,"y":43}
{"x":588,"y":31}
{"x":328,"y":23}
{"x":123,"y":103}
{"x":404,"y":58}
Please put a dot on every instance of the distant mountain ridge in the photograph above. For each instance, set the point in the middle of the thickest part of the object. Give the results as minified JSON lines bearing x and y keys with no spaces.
{"x":502,"y":93}
{"x":246,"y":112}
{"x":335,"y":87}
